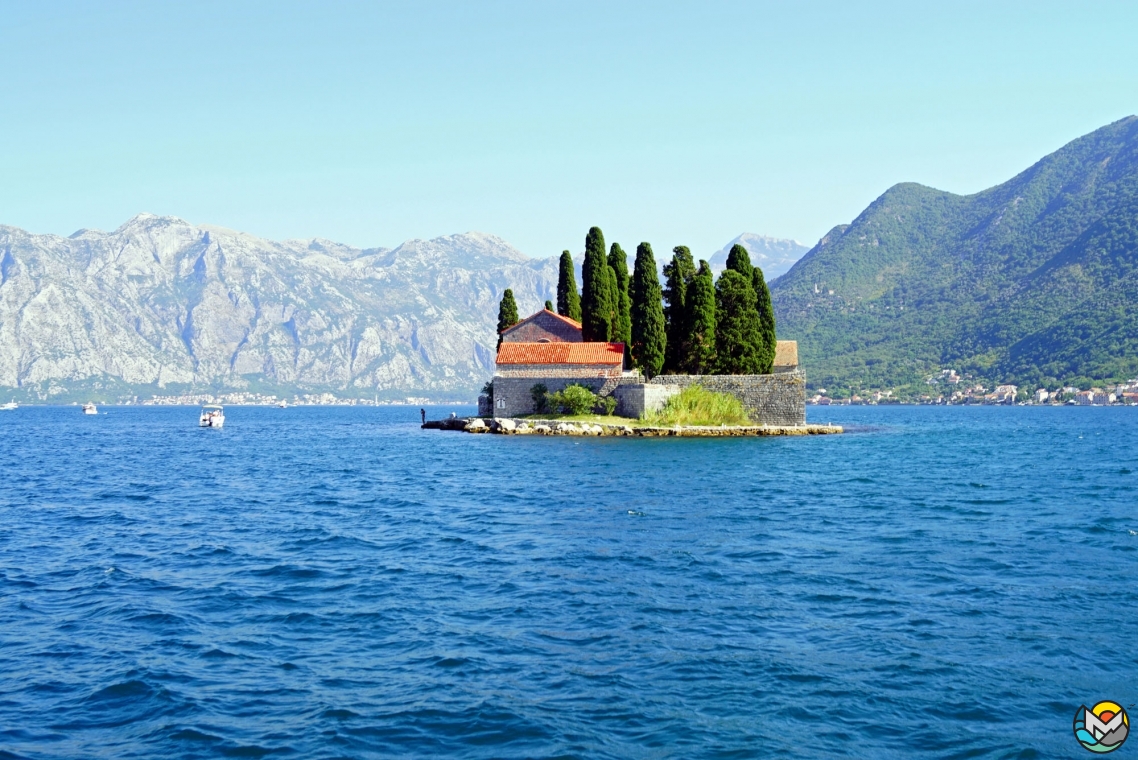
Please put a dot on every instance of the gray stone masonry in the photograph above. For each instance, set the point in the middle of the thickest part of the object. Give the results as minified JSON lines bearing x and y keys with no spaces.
{"x":637,"y":399}
{"x":542,"y":327}
{"x":513,"y":397}
{"x":778,"y":399}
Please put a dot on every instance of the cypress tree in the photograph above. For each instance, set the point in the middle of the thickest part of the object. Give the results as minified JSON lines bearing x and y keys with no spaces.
{"x":678,"y":274}
{"x":568,"y":301}
{"x":737,"y":325}
{"x":596,"y":307}
{"x":549,"y":305}
{"x":700,"y":359}
{"x":507,"y":313}
{"x":622,"y":324}
{"x":649,"y":338}
{"x":739,"y":260}
{"x":612,"y":299}
{"x":766,"y":320}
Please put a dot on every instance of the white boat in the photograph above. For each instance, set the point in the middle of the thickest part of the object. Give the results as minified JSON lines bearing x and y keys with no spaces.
{"x":9,"y":407}
{"x":212,"y":416}
{"x":90,"y":408}
{"x":283,"y":404}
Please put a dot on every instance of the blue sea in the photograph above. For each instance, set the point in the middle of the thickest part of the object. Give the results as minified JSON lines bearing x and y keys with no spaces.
{"x":338,"y":583}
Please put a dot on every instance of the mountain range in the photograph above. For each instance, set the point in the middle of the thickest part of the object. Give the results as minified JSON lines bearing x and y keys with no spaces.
{"x":1034,"y":281}
{"x":162,"y":306}
{"x":775,"y":255}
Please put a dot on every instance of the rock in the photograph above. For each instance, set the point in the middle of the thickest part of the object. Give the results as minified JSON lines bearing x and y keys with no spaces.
{"x":567,"y":428}
{"x":542,"y":429}
{"x":476,"y":426}
{"x":505,"y":426}
{"x":160,"y":300}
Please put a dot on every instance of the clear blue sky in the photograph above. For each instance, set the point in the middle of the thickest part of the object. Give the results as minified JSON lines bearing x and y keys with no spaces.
{"x":372,"y":123}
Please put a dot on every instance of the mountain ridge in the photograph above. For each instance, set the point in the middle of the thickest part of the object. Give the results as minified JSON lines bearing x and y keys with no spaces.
{"x":923,"y":278}
{"x":164,"y":303}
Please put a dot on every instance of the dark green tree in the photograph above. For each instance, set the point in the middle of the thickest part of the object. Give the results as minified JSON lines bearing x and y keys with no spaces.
{"x":507,"y":313}
{"x":596,"y":290}
{"x":649,"y":338}
{"x":678,"y":273}
{"x":739,"y":260}
{"x":766,"y":320}
{"x":613,"y":300}
{"x":549,"y":305}
{"x":700,"y":359}
{"x":622,"y":325}
{"x":737,"y":325}
{"x":568,"y":301}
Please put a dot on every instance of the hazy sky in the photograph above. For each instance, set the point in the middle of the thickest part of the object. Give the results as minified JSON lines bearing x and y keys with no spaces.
{"x":373,"y":123}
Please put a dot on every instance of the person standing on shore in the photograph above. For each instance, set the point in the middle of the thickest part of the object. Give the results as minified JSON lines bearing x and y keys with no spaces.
{"x":423,"y":414}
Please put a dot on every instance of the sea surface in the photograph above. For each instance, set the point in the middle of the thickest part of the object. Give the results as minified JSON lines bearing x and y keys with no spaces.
{"x":337,"y":583}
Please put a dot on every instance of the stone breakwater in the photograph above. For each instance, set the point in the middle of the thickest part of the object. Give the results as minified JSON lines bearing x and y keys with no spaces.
{"x":508,"y":426}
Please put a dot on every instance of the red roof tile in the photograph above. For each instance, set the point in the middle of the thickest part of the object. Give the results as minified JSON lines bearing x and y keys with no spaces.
{"x":561,"y":353}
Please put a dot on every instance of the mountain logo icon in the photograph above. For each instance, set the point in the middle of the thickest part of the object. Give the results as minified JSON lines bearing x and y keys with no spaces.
{"x":1102,"y":728}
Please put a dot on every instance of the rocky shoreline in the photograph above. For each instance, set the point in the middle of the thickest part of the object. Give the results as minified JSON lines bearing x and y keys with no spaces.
{"x":527,"y":426}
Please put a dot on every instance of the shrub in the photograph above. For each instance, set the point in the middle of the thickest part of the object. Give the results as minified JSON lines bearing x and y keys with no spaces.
{"x":540,"y":397}
{"x":488,"y":391}
{"x":574,"y":399}
{"x":695,"y":405}
{"x":606,"y":405}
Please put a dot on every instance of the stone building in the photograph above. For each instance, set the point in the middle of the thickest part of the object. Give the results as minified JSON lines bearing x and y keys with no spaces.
{"x":548,"y":349}
{"x":785,"y":357}
{"x":597,"y":366}
{"x":544,"y":327}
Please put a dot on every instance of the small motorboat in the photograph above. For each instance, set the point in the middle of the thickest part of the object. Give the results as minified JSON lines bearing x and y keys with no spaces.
{"x":90,"y":408}
{"x":11,"y":406}
{"x":283,"y":404}
{"x":212,"y":416}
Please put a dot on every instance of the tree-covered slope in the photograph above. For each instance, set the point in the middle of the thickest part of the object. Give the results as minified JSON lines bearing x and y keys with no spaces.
{"x":1032,"y":281}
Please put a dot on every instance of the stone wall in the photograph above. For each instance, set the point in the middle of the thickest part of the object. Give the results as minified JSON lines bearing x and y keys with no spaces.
{"x":513,"y":397}
{"x":778,"y":399}
{"x":637,"y":399}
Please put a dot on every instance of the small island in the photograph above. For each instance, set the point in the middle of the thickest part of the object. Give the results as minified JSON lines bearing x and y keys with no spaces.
{"x":625,"y":357}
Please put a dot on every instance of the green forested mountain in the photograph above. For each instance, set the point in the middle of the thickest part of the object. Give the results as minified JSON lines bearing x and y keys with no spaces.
{"x":1034,"y":281}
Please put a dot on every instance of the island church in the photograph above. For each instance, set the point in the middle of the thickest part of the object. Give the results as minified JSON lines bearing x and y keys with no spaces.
{"x":548,"y":348}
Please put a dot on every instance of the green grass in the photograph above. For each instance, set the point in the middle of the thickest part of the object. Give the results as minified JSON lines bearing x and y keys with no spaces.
{"x":695,"y":405}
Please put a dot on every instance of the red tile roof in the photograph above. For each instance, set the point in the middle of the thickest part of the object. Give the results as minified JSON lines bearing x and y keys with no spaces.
{"x":566,"y":320}
{"x":561,"y":353}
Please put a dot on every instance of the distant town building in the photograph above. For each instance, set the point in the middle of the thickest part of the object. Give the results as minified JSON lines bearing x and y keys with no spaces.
{"x":1005,"y":394}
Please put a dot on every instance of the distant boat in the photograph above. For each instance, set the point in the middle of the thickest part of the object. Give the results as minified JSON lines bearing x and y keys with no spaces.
{"x":212,"y":416}
{"x":283,"y":404}
{"x":90,"y":408}
{"x":9,"y":407}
